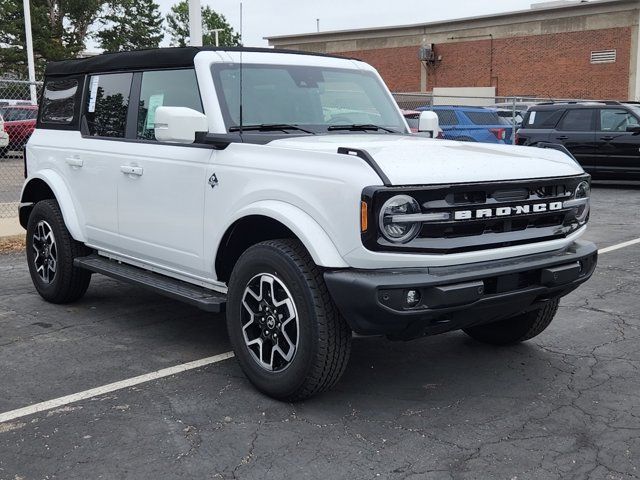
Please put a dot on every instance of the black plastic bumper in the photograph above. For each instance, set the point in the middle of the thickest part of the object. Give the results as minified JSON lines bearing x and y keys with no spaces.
{"x":450,"y":298}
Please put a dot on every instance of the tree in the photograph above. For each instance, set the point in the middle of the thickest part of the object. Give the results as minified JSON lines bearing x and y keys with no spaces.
{"x":131,"y":25}
{"x":59,"y":30}
{"x":178,"y":27}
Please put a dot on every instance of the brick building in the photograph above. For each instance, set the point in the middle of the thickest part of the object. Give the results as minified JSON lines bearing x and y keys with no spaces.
{"x":564,"y":49}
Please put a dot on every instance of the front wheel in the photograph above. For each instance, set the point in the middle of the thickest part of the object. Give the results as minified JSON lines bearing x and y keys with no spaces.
{"x":287,"y":334}
{"x":519,"y":328}
{"x":50,"y":253}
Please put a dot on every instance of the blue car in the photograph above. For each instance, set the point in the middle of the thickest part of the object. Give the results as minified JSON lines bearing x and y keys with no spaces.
{"x":472,"y":124}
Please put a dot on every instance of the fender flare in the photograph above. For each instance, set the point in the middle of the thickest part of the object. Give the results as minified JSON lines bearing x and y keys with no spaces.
{"x":63,"y":197}
{"x":307,"y":230}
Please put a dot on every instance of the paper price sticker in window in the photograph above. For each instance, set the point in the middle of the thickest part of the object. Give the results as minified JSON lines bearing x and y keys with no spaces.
{"x":155,"y":101}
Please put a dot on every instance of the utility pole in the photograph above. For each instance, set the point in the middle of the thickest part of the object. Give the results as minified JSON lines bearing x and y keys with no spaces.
{"x":318,"y":25}
{"x":195,"y":23}
{"x":29,"y":46}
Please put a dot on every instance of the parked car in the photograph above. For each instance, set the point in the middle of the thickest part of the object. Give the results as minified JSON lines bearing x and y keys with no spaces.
{"x":4,"y":139}
{"x":413,"y":120}
{"x":471,"y":124}
{"x":155,"y":168}
{"x":604,"y":137}
{"x":19,"y":122}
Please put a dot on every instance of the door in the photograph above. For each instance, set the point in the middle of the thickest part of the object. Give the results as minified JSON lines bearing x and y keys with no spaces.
{"x":576,"y":131}
{"x":93,"y":167}
{"x":618,"y":150}
{"x":161,"y":186}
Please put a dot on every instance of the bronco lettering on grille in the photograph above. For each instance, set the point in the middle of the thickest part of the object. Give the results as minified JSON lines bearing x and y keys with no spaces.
{"x":507,"y":211}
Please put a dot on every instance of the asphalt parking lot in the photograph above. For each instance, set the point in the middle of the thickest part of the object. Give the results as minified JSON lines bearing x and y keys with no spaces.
{"x":565,"y":405}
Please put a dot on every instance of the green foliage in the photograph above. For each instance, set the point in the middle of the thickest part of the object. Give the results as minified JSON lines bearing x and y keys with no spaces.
{"x":59,"y":30}
{"x":178,"y":27}
{"x":131,"y":25}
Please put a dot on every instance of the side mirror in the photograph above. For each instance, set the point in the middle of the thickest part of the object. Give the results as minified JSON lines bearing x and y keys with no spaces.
{"x":179,"y":124}
{"x":429,"y":123}
{"x":635,"y":129}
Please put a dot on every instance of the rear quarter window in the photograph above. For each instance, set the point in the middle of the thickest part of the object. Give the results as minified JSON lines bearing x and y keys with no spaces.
{"x":447,"y":117}
{"x":484,"y":118}
{"x":543,"y":118}
{"x":59,"y":102}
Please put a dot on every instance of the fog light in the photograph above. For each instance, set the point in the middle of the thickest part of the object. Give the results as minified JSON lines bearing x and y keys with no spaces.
{"x":412,"y":298}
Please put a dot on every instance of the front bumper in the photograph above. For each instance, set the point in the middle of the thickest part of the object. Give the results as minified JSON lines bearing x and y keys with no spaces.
{"x":455,"y":297}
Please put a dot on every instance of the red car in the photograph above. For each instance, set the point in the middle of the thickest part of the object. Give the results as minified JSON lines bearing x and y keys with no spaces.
{"x":19,"y":122}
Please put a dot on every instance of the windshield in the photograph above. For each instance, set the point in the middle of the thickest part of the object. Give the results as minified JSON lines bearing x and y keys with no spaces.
{"x":313,"y":98}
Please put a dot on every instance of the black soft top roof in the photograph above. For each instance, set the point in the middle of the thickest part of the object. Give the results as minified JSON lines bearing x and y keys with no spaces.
{"x":156,"y":58}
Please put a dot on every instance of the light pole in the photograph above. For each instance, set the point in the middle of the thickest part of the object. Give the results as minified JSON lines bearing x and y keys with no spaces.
{"x":29,"y":46}
{"x":217,"y":31}
{"x":195,"y":23}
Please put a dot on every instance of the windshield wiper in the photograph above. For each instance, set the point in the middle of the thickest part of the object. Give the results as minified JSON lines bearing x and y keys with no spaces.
{"x":361,"y":127}
{"x":269,"y":127}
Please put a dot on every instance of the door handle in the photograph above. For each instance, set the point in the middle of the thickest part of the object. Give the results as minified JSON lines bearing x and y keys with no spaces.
{"x":131,"y":170}
{"x":607,"y":138}
{"x":563,"y":137}
{"x":74,"y":161}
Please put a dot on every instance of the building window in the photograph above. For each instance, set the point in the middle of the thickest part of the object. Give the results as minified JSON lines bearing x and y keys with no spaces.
{"x":604,"y":56}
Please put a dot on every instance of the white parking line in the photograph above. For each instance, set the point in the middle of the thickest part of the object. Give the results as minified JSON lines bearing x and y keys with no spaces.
{"x":94,"y":392}
{"x":165,"y":372}
{"x":619,"y":246}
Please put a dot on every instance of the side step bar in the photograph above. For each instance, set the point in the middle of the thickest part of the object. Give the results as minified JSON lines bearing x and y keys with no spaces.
{"x":203,"y":298}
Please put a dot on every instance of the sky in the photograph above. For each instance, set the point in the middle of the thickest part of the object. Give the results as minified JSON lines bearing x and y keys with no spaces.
{"x":264,"y":18}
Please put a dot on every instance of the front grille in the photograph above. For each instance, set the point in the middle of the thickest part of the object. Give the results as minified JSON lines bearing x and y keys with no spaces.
{"x":481,"y":230}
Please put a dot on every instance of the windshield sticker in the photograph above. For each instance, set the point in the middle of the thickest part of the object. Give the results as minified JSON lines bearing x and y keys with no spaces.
{"x":155,"y":101}
{"x":93,"y":93}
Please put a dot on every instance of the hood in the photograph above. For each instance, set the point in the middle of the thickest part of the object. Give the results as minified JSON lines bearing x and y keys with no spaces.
{"x":408,"y":160}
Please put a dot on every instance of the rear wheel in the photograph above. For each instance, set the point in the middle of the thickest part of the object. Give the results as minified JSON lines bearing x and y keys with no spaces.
{"x":287,"y":334}
{"x":50,"y":254}
{"x":516,"y":329}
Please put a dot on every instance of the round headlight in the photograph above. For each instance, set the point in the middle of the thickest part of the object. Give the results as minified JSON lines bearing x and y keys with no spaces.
{"x":583,"y":191}
{"x":393,"y":226}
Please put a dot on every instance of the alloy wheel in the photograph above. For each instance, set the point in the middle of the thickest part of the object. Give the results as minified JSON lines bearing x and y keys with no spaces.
{"x":270,"y":323}
{"x":45,"y":252}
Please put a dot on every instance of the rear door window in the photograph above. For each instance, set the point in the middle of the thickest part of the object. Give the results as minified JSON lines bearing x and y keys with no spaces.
{"x":483,"y":118}
{"x":170,"y":88}
{"x":578,"y":120}
{"x":107,"y":104}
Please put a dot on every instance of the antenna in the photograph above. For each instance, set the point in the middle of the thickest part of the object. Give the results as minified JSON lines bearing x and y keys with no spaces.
{"x":241,"y":89}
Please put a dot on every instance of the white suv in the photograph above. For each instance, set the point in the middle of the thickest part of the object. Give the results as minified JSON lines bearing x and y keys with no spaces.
{"x":287,"y":188}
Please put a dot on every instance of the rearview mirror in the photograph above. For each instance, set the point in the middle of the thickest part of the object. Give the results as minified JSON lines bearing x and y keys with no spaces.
{"x":179,"y":124}
{"x":429,"y":123}
{"x":635,"y":129}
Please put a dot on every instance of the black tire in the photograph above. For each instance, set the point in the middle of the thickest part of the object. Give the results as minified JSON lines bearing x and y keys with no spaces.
{"x":519,"y":328}
{"x":4,"y":152}
{"x":323,"y":337}
{"x":67,"y":283}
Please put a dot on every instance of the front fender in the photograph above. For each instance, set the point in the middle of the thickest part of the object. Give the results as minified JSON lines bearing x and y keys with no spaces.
{"x":309,"y":232}
{"x":63,"y":197}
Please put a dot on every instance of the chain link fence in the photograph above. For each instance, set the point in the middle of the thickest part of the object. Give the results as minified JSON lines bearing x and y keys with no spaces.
{"x":18,"y":112}
{"x":469,"y":118}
